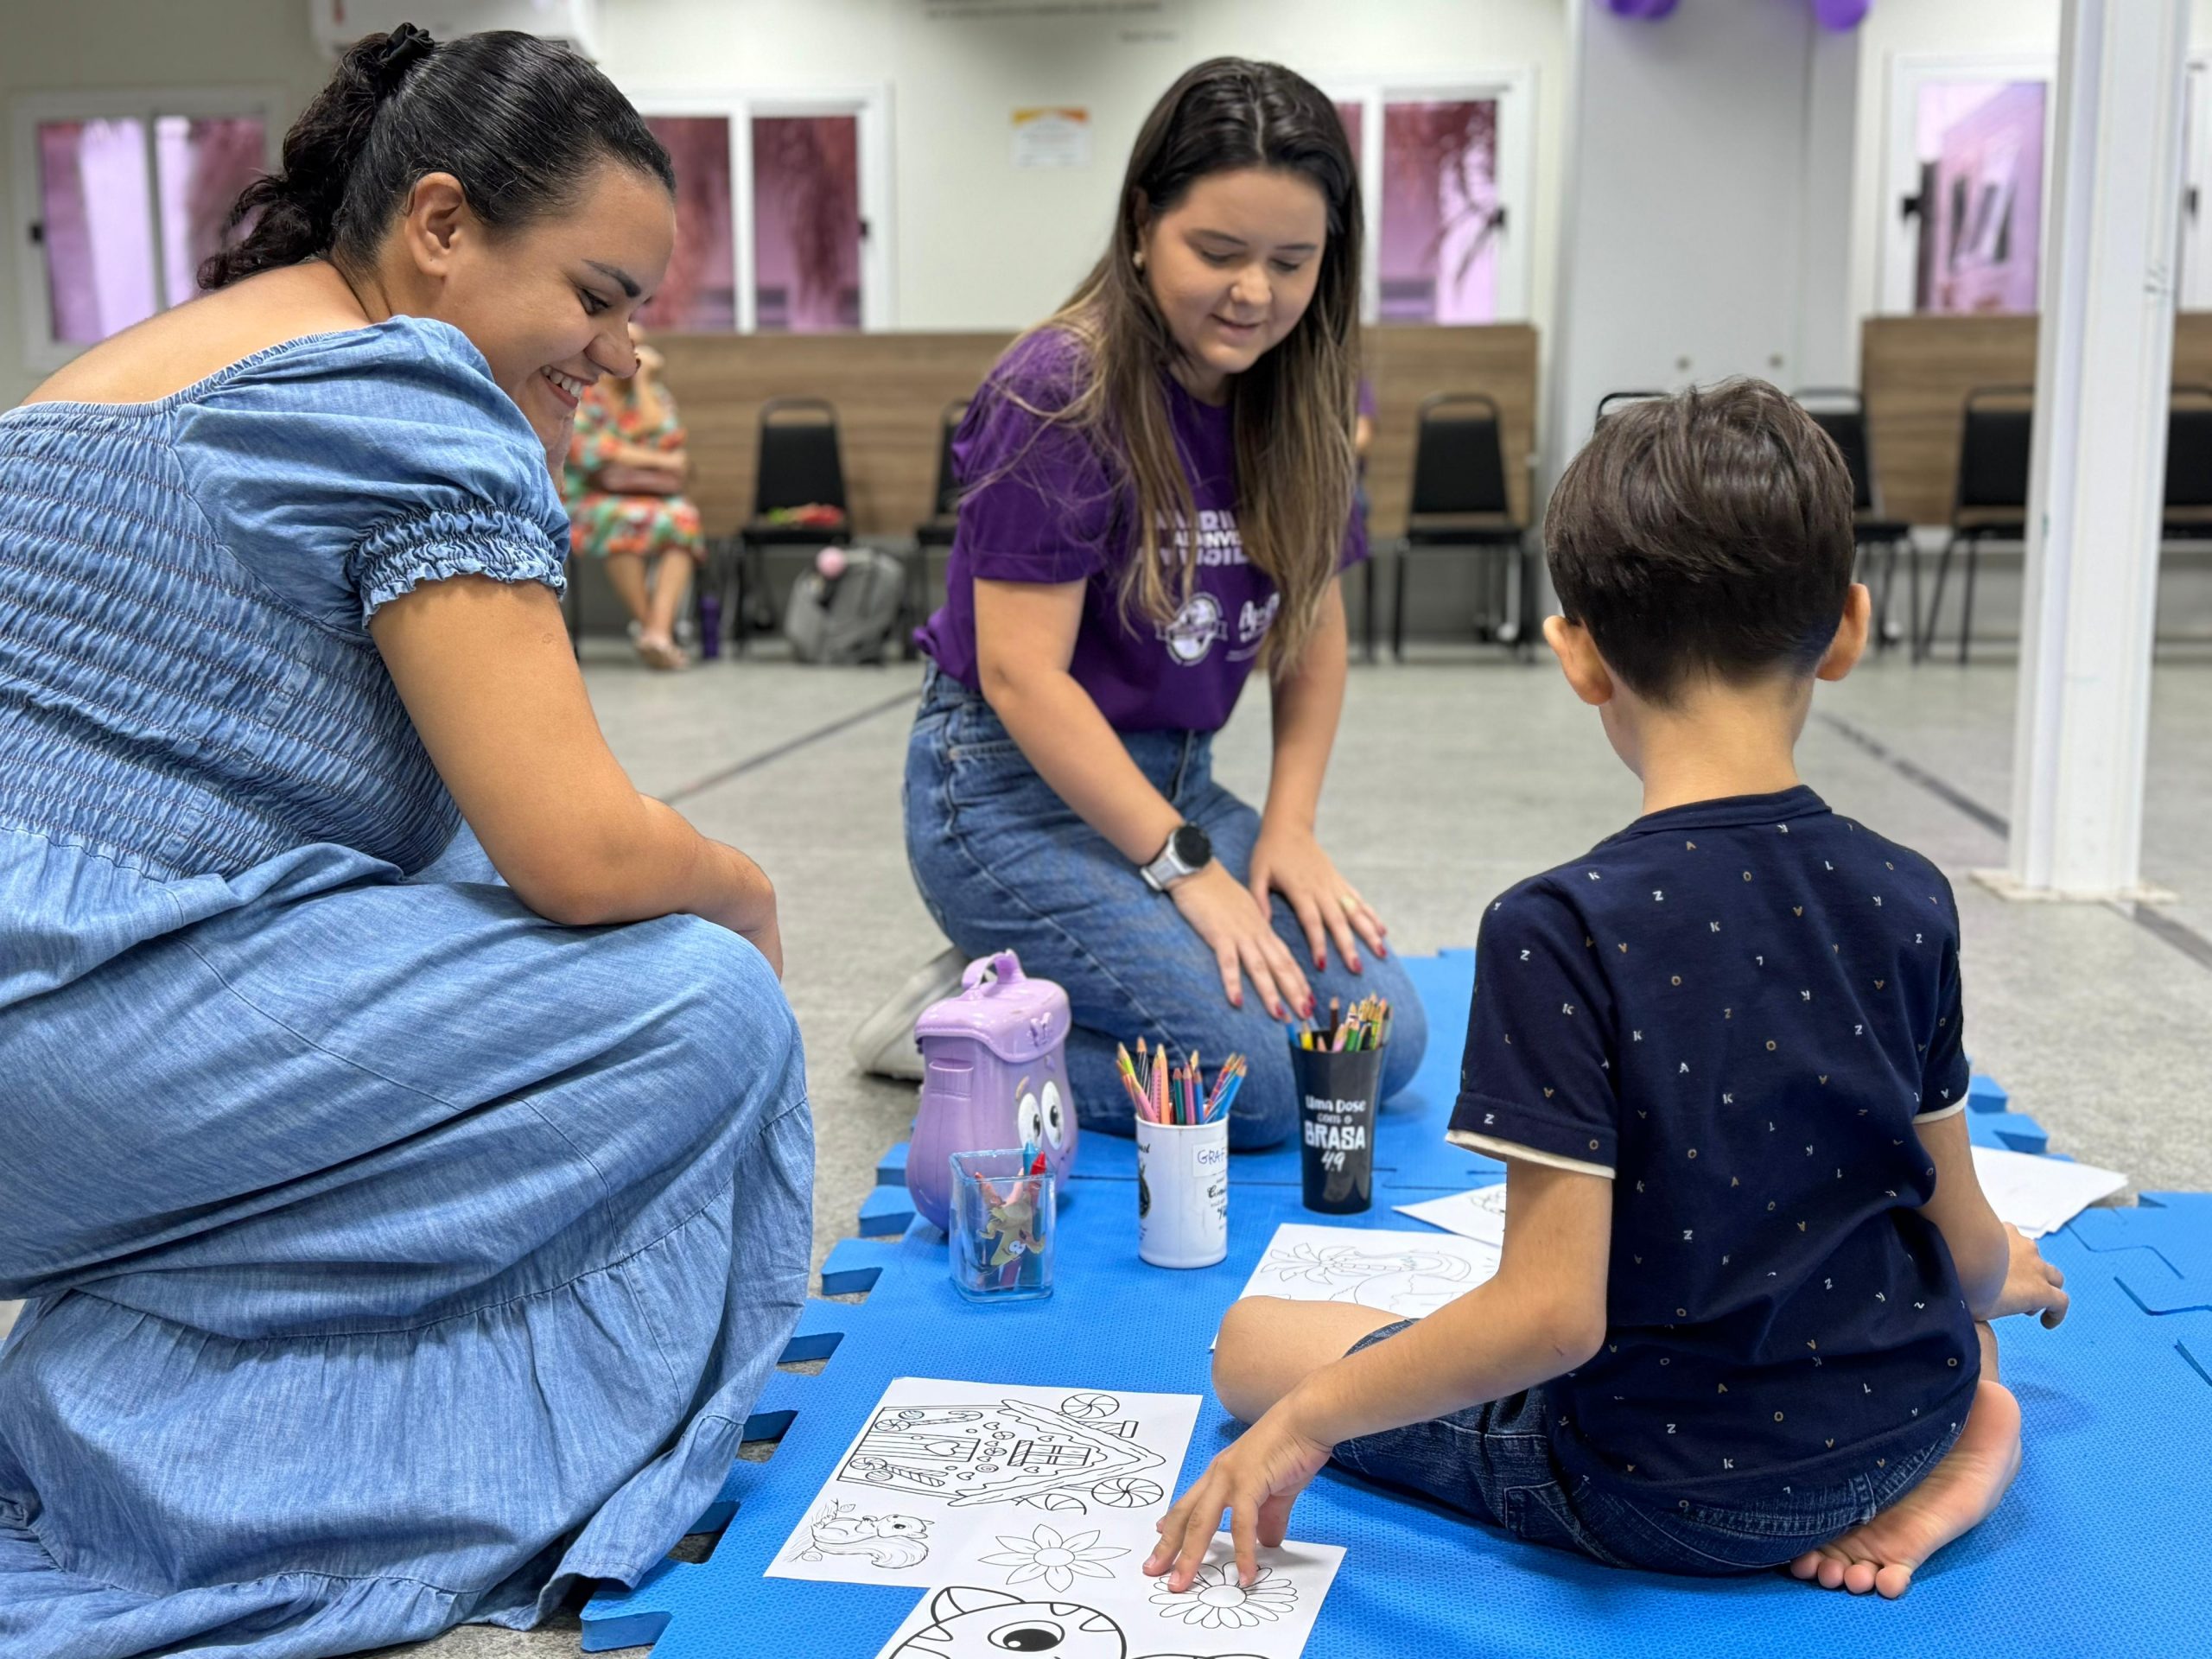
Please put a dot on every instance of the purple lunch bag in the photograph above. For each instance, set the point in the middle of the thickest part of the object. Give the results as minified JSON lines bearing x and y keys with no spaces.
{"x":994,"y":1074}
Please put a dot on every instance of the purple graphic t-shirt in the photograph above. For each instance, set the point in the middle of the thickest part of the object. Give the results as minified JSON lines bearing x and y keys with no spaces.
{"x":1041,"y":507}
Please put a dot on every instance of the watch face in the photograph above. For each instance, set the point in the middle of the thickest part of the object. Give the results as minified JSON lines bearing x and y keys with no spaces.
{"x":1191,"y":845}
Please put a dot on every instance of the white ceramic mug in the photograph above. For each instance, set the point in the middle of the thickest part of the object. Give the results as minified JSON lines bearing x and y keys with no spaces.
{"x":1183,"y":1194}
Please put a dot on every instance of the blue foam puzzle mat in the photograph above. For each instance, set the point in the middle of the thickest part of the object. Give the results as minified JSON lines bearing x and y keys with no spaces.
{"x":2006,"y":1132}
{"x":2092,"y":1552}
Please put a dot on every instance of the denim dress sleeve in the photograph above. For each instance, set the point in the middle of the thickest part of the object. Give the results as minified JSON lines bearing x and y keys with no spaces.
{"x":345,"y":473}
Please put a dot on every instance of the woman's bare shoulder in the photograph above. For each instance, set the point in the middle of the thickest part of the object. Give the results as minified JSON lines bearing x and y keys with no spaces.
{"x":183,"y":347}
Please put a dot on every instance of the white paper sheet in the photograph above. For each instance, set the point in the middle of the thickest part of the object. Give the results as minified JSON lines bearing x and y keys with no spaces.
{"x":1479,"y":1214}
{"x":1405,"y":1273}
{"x":2040,"y":1195}
{"x":990,"y":1484}
{"x":1128,"y":1614}
{"x":2037,"y":1195}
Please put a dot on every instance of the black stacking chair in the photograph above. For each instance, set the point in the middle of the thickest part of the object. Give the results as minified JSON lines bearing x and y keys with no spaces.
{"x":1842,"y":413}
{"x":799,"y":463}
{"x":1606,"y":402}
{"x":934,"y":533}
{"x":1989,"y":501}
{"x":2188,"y":513}
{"x":1460,"y":507}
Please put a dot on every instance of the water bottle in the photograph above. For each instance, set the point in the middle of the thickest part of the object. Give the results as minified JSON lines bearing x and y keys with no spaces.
{"x":710,"y":624}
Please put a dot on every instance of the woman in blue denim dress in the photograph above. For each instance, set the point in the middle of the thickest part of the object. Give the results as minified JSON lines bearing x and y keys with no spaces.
{"x":408,"y":1154}
{"x":1157,"y":497}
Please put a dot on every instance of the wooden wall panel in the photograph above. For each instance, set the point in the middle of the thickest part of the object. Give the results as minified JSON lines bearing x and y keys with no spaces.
{"x":1407,"y":364}
{"x":890,"y":388}
{"x":1916,"y":373}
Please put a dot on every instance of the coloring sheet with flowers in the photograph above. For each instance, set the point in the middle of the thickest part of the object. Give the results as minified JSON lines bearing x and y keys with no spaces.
{"x":1028,"y":1490}
{"x":1128,"y":1616}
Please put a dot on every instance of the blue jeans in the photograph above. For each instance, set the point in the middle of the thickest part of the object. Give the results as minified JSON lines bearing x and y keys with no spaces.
{"x":1496,"y":1462}
{"x":1003,"y":862}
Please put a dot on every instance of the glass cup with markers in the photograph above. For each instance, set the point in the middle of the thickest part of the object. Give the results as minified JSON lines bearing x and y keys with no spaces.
{"x":1003,"y":1213}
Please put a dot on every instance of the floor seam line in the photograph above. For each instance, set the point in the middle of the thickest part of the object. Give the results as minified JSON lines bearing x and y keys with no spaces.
{"x":754,"y":762}
{"x":2178,"y":934}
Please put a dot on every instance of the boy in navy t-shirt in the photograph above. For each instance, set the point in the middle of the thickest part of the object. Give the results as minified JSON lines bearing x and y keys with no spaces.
{"x":1735,"y":1325}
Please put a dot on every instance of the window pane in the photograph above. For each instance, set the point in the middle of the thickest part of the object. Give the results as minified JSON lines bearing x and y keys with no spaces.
{"x":1438,"y":262}
{"x":201,"y":164}
{"x":806,"y":224}
{"x":1979,"y":144}
{"x":699,"y":295}
{"x":97,"y":219}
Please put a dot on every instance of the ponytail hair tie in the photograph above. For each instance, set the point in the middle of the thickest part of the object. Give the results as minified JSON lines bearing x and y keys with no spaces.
{"x":402,"y":50}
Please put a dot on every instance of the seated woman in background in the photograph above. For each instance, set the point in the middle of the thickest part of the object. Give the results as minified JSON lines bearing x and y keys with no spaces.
{"x":624,"y":489}
{"x":408,"y":1161}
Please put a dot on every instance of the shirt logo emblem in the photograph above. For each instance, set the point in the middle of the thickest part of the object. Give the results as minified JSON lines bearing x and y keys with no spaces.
{"x":1190,"y":637}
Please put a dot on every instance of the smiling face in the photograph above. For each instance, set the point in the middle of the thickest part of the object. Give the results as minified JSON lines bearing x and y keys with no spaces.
{"x":1232,"y":267}
{"x":550,"y":303}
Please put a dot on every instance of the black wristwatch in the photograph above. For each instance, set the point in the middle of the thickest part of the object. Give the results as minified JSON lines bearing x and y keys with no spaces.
{"x":1189,"y":850}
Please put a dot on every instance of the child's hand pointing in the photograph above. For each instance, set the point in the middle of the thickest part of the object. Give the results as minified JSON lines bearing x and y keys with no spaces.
{"x":1257,"y":1480}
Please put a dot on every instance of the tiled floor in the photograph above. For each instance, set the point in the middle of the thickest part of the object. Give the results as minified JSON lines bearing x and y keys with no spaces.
{"x":1455,"y":776}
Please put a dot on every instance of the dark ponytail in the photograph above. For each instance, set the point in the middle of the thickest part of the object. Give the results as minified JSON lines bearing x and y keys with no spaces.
{"x":519,"y":120}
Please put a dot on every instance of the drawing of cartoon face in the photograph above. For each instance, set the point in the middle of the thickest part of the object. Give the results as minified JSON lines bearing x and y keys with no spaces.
{"x":972,"y":1622}
{"x":1190,"y":637}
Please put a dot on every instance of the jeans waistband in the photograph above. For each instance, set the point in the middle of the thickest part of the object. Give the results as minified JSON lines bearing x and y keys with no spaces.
{"x":1174,"y":761}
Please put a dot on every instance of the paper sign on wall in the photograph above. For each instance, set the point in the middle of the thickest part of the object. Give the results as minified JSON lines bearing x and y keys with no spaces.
{"x":1058,"y":137}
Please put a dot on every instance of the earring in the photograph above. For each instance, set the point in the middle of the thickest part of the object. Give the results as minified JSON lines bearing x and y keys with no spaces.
{"x":1137,"y":258}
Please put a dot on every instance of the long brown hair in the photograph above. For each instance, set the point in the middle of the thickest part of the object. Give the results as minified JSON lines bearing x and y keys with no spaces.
{"x":1293,"y":409}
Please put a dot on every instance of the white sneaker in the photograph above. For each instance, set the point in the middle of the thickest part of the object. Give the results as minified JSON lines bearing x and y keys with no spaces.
{"x":883,"y":1044}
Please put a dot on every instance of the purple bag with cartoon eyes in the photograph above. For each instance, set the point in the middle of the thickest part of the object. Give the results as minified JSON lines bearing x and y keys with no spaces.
{"x":994,"y":1074}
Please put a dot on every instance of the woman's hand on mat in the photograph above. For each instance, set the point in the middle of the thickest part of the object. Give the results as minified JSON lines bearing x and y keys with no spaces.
{"x":1257,"y":1480}
{"x":1290,"y":862}
{"x":1243,"y":941}
{"x":2031,"y":1285}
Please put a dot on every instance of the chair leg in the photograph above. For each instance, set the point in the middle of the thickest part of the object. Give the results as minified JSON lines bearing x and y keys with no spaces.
{"x":1398,"y":606}
{"x":1366,"y":611}
{"x":1524,"y":639}
{"x":1924,"y":643}
{"x":1966,"y":611}
{"x":1912,"y":567}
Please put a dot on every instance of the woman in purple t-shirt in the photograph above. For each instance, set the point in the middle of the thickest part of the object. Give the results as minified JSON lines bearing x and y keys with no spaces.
{"x":1159,"y":497}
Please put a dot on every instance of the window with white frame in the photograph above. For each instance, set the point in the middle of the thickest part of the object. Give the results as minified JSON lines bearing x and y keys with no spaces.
{"x":1966,"y":178}
{"x":783,"y":212}
{"x":1445,"y":168}
{"x":119,"y":197}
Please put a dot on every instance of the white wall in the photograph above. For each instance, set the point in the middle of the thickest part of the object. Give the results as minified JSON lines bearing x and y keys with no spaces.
{"x":979,"y":243}
{"x":1697,"y":247}
{"x":983,"y":245}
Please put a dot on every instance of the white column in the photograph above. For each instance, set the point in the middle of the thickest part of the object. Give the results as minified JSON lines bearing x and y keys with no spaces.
{"x":2105,"y":360}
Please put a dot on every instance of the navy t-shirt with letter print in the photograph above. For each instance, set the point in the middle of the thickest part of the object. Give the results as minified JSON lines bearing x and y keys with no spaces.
{"x":1738,"y":1010}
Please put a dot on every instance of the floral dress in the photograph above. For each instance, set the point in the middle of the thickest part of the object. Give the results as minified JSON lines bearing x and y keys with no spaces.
{"x":603,"y":523}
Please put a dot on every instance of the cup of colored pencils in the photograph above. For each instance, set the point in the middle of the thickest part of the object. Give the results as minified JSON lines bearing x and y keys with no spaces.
{"x":1337,"y":1070}
{"x":1182,"y":1132}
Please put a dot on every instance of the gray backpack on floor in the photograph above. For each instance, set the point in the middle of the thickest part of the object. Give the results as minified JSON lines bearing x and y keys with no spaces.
{"x":847,"y":618}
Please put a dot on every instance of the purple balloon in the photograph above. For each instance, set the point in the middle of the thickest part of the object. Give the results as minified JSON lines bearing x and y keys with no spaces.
{"x":1841,"y":14}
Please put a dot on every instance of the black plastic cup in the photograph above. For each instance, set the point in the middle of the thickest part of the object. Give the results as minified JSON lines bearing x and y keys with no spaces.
{"x":1336,"y":1127}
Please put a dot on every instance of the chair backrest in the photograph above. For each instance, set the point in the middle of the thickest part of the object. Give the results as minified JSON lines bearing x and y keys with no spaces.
{"x":2189,"y":448}
{"x":1996,"y":432}
{"x":1606,"y":402}
{"x":1458,"y":455}
{"x":947,"y":498}
{"x":799,"y":463}
{"x":1839,"y":412}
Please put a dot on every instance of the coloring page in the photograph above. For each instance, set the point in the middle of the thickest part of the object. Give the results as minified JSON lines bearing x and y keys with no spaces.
{"x":2040,"y":1195}
{"x":1479,"y":1214}
{"x":1129,"y":1615}
{"x":1408,"y":1273}
{"x":998,"y":1484}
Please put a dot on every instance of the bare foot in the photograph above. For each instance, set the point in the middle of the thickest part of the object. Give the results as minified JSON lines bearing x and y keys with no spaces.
{"x":1954,"y":1499}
